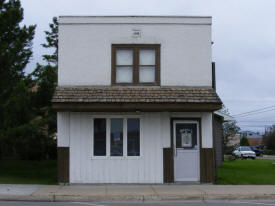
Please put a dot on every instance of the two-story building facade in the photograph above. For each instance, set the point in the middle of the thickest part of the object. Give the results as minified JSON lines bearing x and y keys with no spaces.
{"x":135,"y":99}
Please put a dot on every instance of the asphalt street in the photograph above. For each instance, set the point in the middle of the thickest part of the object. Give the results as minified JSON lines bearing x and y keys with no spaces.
{"x":149,"y":203}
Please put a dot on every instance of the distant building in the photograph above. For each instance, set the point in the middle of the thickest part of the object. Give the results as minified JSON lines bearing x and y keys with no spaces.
{"x":250,"y":134}
{"x":254,"y":138}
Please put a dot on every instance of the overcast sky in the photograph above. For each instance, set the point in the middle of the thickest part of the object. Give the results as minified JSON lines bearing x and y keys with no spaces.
{"x":243,"y":33}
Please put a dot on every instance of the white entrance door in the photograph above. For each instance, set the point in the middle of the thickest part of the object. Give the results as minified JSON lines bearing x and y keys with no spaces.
{"x":186,"y":150}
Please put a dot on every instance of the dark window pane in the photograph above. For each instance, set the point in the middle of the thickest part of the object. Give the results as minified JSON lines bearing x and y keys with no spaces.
{"x":133,"y":134}
{"x":116,"y":137}
{"x":99,"y":137}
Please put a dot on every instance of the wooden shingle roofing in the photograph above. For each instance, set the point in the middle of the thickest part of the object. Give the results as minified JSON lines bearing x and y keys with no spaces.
{"x":135,"y":95}
{"x":120,"y":99}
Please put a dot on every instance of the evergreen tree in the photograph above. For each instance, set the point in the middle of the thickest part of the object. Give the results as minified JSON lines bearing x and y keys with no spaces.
{"x":52,"y":43}
{"x":45,"y":77}
{"x":15,"y":53}
{"x":15,"y":45}
{"x":244,"y":141}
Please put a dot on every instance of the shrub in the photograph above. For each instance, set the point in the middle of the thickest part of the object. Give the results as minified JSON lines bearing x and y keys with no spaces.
{"x":29,"y":142}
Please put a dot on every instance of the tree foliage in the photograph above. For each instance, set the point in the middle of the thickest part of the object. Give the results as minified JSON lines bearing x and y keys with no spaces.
{"x":230,"y":129}
{"x":45,"y":77}
{"x":52,"y":43}
{"x":28,"y":124}
{"x":18,"y":107}
{"x":269,"y":139}
{"x":244,"y":141}
{"x":15,"y":52}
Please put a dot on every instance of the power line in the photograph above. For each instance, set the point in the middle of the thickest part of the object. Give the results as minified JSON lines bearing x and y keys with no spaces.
{"x":243,"y":125}
{"x":252,"y":111}
{"x":265,"y":117}
{"x":259,"y":112}
{"x":271,"y":121}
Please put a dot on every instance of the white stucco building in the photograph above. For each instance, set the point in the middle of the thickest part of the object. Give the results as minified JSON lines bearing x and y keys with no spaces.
{"x":135,"y":99}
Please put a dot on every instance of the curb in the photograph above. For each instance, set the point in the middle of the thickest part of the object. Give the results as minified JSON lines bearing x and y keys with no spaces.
{"x":27,"y":198}
{"x":70,"y":198}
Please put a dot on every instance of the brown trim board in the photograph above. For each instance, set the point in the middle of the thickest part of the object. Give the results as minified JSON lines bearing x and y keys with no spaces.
{"x":136,"y":106}
{"x":215,"y":175}
{"x":168,"y":165}
{"x":207,"y":165}
{"x":63,"y":164}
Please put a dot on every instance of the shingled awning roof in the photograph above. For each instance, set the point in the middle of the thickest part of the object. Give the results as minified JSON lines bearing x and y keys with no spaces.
{"x":135,"y":98}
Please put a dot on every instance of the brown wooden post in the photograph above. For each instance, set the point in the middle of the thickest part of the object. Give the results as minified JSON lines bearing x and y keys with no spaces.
{"x":63,"y":161}
{"x":207,"y":165}
{"x":168,"y":166}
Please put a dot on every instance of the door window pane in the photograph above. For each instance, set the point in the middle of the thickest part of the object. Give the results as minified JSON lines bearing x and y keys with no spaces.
{"x":133,"y":134}
{"x":124,"y":74}
{"x":117,"y":137}
{"x":124,"y":57}
{"x":99,"y":137}
{"x":147,"y":57}
{"x":186,"y":136}
{"x":146,"y":74}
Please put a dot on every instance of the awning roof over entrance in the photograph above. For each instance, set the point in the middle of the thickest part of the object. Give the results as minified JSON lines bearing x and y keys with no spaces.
{"x":135,"y":98}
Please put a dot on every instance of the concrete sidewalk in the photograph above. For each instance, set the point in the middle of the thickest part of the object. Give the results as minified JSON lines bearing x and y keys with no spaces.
{"x":135,"y":192}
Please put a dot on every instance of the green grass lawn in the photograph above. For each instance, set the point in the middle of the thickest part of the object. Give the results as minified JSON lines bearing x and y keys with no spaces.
{"x":247,"y":172}
{"x":28,"y":172}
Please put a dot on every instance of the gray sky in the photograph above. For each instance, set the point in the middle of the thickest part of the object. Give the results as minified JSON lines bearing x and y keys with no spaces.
{"x":243,"y":35}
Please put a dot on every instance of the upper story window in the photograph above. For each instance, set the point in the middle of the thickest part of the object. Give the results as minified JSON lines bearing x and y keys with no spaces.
{"x":136,"y":64}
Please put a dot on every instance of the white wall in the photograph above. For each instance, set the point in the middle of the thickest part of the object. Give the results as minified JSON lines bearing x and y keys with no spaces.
{"x":148,"y":168}
{"x":85,"y":48}
{"x":207,"y":130}
{"x":63,"y":129}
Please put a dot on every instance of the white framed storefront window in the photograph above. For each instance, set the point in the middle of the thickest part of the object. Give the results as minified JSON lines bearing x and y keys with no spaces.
{"x":117,"y":137}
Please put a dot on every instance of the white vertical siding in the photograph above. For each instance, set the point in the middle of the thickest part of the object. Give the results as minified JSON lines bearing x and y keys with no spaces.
{"x":165,"y":129}
{"x":63,"y":129}
{"x":207,"y":130}
{"x":148,"y":168}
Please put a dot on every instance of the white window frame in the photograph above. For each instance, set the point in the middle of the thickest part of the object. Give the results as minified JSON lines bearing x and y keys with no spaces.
{"x":125,"y":137}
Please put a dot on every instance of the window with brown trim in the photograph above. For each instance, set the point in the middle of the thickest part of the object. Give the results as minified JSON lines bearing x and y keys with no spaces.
{"x":136,"y":64}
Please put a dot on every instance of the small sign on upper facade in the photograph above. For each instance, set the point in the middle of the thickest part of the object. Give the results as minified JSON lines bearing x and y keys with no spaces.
{"x":136,"y":33}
